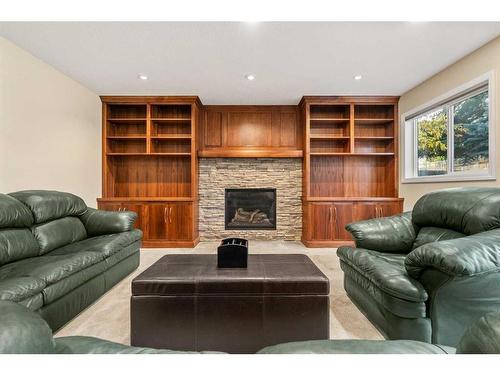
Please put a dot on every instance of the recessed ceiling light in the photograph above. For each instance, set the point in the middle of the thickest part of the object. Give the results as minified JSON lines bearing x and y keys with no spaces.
{"x":357,"y":77}
{"x":250,"y":77}
{"x":142,"y":76}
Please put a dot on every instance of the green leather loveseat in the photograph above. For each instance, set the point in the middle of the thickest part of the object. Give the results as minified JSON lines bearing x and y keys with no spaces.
{"x":24,"y":332}
{"x":57,"y":256}
{"x":428,"y":274}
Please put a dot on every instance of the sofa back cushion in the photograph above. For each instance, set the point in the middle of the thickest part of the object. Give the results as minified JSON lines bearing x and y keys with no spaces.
{"x":57,"y":233}
{"x":48,"y":205}
{"x":464,"y":210}
{"x":433,"y":234}
{"x":14,"y":214}
{"x":17,"y":244}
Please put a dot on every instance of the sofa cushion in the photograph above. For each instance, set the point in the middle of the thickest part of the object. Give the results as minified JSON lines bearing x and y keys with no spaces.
{"x":50,"y":268}
{"x":94,"y":345}
{"x":48,"y":205}
{"x":57,"y":233}
{"x":384,"y":279}
{"x":20,"y":288}
{"x":62,"y":287}
{"x":106,"y":245}
{"x":54,"y":291}
{"x":386,"y":271}
{"x":357,"y":347}
{"x":465,"y":210}
{"x":433,"y":234}
{"x":16,"y":244}
{"x":14,"y":214}
{"x":23,"y":331}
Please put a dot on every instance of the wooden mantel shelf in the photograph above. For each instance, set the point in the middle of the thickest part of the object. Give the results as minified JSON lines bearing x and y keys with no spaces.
{"x":240,"y":153}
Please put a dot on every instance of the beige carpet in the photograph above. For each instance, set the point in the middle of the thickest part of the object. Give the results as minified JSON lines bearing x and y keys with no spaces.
{"x":108,"y":318}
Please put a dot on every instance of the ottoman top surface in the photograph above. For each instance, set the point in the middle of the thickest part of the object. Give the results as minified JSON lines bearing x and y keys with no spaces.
{"x":197,"y":274}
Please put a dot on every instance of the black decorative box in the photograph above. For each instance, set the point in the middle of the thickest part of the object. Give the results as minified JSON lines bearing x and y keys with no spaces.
{"x":232,"y":253}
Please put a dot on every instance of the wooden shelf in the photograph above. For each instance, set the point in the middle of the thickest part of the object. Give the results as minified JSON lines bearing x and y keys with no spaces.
{"x":373,"y":154}
{"x":374,"y":121}
{"x":149,"y":154}
{"x":172,"y":119}
{"x":172,"y":136}
{"x":329,"y":119}
{"x":330,"y":153}
{"x":374,"y":138}
{"x":127,"y":154}
{"x":127,"y":120}
{"x":125,"y":137}
{"x":170,"y":154}
{"x":327,"y":136}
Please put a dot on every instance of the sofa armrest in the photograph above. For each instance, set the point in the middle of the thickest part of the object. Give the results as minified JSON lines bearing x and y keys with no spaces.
{"x":99,"y":222}
{"x":394,"y":234}
{"x":466,"y":256}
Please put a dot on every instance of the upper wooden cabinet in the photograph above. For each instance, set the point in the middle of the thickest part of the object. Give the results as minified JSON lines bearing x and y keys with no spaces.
{"x":250,"y":131}
{"x":150,"y":154}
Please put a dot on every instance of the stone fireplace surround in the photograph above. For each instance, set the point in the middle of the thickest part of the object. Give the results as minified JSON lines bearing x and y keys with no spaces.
{"x":283,"y":174}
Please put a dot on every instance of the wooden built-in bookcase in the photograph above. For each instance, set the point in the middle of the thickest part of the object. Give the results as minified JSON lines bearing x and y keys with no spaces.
{"x":151,"y":147}
{"x":350,"y":165}
{"x":150,"y":165}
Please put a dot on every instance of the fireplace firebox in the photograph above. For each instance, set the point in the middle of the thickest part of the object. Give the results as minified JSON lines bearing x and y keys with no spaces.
{"x":250,"y":209}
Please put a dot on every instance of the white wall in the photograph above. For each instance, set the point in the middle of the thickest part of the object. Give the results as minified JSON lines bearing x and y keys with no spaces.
{"x":481,"y":61}
{"x":49,"y":128}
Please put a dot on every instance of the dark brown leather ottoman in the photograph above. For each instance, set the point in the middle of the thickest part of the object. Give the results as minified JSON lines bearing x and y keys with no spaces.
{"x":184,"y":302}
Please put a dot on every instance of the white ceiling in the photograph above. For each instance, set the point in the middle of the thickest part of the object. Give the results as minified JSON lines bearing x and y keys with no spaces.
{"x":289,"y":59}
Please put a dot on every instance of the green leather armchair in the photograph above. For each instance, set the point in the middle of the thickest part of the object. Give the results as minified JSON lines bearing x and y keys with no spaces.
{"x":428,"y":274}
{"x":24,"y":332}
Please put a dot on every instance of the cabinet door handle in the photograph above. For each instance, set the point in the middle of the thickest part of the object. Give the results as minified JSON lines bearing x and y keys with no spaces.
{"x":329,"y":215}
{"x":165,"y":215}
{"x":170,"y":215}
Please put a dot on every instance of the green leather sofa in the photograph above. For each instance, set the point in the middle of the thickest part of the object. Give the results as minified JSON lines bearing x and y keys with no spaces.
{"x":57,"y":256}
{"x":428,"y":274}
{"x":24,"y":332}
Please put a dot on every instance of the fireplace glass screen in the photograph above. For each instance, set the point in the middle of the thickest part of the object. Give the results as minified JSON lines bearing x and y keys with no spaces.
{"x":250,"y":209}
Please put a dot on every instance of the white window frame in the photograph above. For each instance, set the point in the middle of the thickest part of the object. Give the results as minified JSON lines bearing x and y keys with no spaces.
{"x":409,"y":136}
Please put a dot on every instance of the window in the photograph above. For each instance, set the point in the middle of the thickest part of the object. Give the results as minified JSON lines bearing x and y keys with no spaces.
{"x":451,"y":139}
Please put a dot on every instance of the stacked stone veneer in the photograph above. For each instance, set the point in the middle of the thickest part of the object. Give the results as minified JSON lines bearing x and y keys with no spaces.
{"x":217,"y":174}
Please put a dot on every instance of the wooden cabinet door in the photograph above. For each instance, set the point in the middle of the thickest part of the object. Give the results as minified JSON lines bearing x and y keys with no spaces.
{"x":342,"y":215}
{"x":156,"y":216}
{"x":180,"y":221}
{"x":137,"y":208}
{"x":321,"y":221}
{"x":365,"y":211}
{"x":389,"y":208}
